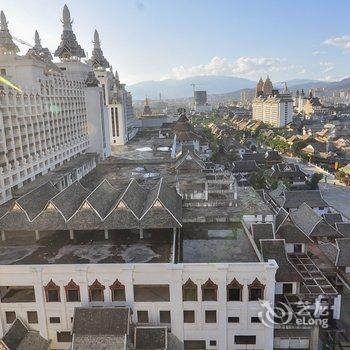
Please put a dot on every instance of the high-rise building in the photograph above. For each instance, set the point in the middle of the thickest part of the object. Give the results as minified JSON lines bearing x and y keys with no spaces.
{"x":117,"y":100}
{"x":200,"y":102}
{"x":48,"y":112}
{"x":271,"y":106}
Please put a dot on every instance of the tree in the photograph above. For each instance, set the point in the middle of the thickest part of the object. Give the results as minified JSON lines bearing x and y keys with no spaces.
{"x":312,"y":183}
{"x":257,"y":180}
{"x":297,"y":147}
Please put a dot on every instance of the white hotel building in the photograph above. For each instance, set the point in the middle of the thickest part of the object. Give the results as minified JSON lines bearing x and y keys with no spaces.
{"x":53,"y":112}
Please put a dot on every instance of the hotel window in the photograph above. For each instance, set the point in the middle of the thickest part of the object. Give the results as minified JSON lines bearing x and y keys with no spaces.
{"x":151,"y":292}
{"x":256,"y":290}
{"x":10,"y":316}
{"x":212,"y":343}
{"x":209,"y":291}
{"x":142,"y":316}
{"x":245,"y":339}
{"x":72,"y":292}
{"x":55,"y":320}
{"x":189,"y":316}
{"x":233,"y":319}
{"x":96,"y":291}
{"x":52,"y":292}
{"x":164,"y":317}
{"x":210,"y":316}
{"x":255,"y":319}
{"x":32,"y":316}
{"x":234,"y":291}
{"x":287,"y":288}
{"x":64,"y":337}
{"x":118,"y":291}
{"x":189,"y":291}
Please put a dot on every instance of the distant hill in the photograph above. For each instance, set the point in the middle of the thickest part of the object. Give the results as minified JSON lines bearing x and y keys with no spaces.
{"x":171,"y":88}
{"x":213,"y":84}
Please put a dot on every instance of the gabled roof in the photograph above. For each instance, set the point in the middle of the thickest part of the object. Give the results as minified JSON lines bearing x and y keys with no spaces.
{"x":35,"y":201}
{"x":305,"y":218}
{"x":291,"y":233}
{"x":101,"y":321}
{"x":103,"y":198}
{"x":134,"y":198}
{"x":281,"y":217}
{"x":259,"y":158}
{"x":245,"y":166}
{"x":343,"y":228}
{"x":262,"y":231}
{"x":275,"y":249}
{"x":18,"y":337}
{"x":322,"y":229}
{"x":332,"y":218}
{"x":70,"y":199}
{"x":343,"y":258}
{"x":313,"y":198}
{"x":189,"y":155}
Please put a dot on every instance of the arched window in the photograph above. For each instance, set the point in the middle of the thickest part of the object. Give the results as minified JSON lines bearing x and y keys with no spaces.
{"x":72,"y":292}
{"x":234,"y":291}
{"x":209,"y":291}
{"x":52,"y":292}
{"x":117,"y":291}
{"x":96,"y":291}
{"x":256,"y":290}
{"x":189,"y":291}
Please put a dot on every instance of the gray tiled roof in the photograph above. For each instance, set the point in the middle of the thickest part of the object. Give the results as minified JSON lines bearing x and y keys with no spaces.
{"x":305,"y":218}
{"x":103,"y":198}
{"x":259,"y":158}
{"x":322,"y":229}
{"x":275,"y":249}
{"x":330,"y":250}
{"x":35,"y":201}
{"x":135,"y":197}
{"x":311,"y":197}
{"x":332,"y":218}
{"x":95,"y":342}
{"x":70,"y":199}
{"x":291,"y":233}
{"x":101,"y":321}
{"x":343,"y":228}
{"x":245,"y":166}
{"x":262,"y":231}
{"x":281,"y":217}
{"x":344,"y":252}
{"x":18,"y":337}
{"x":150,"y":337}
{"x":189,"y":156}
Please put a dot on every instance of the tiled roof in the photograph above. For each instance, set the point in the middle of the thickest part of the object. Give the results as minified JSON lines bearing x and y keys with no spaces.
{"x":262,"y":231}
{"x":305,"y":218}
{"x":343,"y":258}
{"x":291,"y":233}
{"x":101,"y":321}
{"x":332,"y":218}
{"x":245,"y":166}
{"x":35,"y":201}
{"x":312,"y":198}
{"x":275,"y":249}
{"x":343,"y":228}
{"x":281,"y":217}
{"x":150,"y":338}
{"x":18,"y":337}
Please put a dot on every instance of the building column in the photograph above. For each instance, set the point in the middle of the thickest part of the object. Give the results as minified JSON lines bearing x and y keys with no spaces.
{"x":141,"y":233}
{"x":71,"y":234}
{"x":3,"y":236}
{"x":106,"y":234}
{"x":83,"y":287}
{"x":37,"y":235}
{"x":40,"y":303}
{"x":176,"y":304}
{"x":222,"y":309}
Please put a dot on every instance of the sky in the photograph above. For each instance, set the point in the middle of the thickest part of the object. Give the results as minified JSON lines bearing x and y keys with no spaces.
{"x":175,"y":39}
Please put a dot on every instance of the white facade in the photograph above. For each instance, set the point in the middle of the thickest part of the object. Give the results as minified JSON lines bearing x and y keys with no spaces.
{"x":174,"y":275}
{"x":274,"y":110}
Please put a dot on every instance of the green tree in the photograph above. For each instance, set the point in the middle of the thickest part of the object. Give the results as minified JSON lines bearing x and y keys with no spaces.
{"x":258,"y":180}
{"x":297,"y":147}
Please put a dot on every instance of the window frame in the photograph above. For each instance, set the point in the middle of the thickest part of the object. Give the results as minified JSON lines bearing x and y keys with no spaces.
{"x":96,"y":286}
{"x":72,"y":286}
{"x":209,"y":286}
{"x":52,"y":286}
{"x":210,"y":312}
{"x":117,"y":286}
{"x":190,"y":312}
{"x":256,"y":284}
{"x":35,"y":315}
{"x":234,"y":284}
{"x":189,"y":286}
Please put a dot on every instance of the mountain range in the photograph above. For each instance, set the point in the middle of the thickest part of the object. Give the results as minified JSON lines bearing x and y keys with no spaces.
{"x":216,"y":84}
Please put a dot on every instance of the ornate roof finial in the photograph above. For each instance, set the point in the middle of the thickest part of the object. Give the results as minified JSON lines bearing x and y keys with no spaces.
{"x":97,"y":58}
{"x":6,"y":43}
{"x":96,"y":41}
{"x":69,"y":47}
{"x":37,"y":40}
{"x":3,"y":21}
{"x":66,"y":20}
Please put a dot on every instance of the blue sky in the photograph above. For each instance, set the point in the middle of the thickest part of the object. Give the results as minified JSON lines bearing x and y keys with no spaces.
{"x":157,"y":39}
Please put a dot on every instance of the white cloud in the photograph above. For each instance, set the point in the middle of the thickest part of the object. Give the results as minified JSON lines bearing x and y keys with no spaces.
{"x":339,"y":41}
{"x":327,"y":66}
{"x":243,"y":66}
